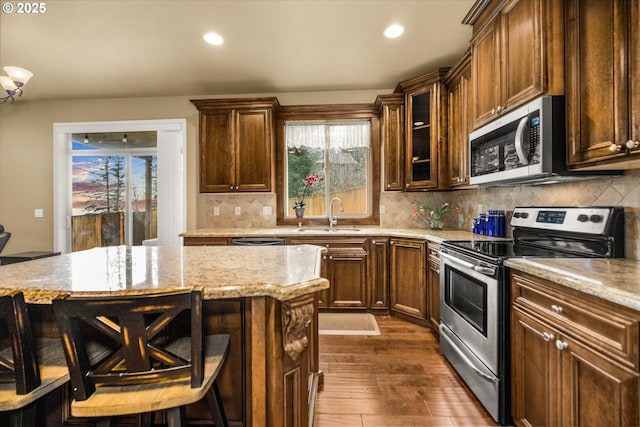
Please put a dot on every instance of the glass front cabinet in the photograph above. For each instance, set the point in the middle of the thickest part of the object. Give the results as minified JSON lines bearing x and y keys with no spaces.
{"x":425,"y":124}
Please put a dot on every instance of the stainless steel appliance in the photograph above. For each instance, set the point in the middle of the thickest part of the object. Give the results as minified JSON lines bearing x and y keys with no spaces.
{"x":527,"y":145}
{"x":474,"y":289}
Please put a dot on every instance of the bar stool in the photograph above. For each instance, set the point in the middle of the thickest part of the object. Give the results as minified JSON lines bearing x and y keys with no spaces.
{"x":29,"y":368}
{"x":148,"y":368}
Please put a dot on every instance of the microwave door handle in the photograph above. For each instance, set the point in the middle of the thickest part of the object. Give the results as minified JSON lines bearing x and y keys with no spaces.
{"x":519,"y":142}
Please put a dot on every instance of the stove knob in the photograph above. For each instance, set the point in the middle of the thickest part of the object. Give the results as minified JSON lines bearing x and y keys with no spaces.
{"x":595,"y":218}
{"x":516,"y":214}
{"x":583,"y":218}
{"x":524,"y":215}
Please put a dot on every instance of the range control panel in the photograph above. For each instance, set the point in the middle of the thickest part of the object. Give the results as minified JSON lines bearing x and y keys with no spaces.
{"x":583,"y":220}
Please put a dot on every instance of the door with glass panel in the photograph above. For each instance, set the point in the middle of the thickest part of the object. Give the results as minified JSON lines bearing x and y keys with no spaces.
{"x":114,"y":189}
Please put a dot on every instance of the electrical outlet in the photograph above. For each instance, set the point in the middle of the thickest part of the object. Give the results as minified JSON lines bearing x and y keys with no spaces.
{"x":382,"y":209}
{"x":238,"y":210}
{"x":216,"y":211}
{"x":266,"y":211}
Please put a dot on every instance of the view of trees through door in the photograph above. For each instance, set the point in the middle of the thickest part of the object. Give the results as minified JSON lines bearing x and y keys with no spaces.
{"x":114,"y":189}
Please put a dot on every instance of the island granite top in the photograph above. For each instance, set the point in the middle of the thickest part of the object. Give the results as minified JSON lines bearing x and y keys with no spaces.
{"x":613,"y":279}
{"x":280,"y":272}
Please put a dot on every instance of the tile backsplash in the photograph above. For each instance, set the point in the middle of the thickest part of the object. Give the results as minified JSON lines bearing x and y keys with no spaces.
{"x":616,"y":191}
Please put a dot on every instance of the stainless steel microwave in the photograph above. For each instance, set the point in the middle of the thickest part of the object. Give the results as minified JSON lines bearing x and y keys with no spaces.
{"x":525,"y":146}
{"x":518,"y":145}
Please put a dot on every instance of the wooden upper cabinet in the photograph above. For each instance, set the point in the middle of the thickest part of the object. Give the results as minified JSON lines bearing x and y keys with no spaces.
{"x":458,"y":121}
{"x":486,"y":74}
{"x":425,"y":132}
{"x":517,"y":55}
{"x":603,"y":83}
{"x":391,"y":110}
{"x":236,"y":144}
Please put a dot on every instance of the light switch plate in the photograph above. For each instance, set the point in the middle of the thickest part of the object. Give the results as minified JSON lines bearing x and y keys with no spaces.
{"x":266,"y":210}
{"x":38,"y":213}
{"x":216,"y":211}
{"x":238,"y":210}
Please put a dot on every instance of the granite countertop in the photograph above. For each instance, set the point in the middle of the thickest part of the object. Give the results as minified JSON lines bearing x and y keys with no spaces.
{"x":613,"y":279}
{"x":436,"y":236}
{"x":280,"y":272}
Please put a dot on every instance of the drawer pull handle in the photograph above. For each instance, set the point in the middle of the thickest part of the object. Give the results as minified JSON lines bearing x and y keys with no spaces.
{"x":556,"y":309}
{"x":547,"y":336}
{"x":561,"y":345}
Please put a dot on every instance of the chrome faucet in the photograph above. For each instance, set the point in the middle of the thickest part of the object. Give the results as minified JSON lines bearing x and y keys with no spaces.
{"x":332,"y":219}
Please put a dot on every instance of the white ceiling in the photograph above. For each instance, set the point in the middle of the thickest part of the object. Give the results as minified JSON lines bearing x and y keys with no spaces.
{"x":122,"y":48}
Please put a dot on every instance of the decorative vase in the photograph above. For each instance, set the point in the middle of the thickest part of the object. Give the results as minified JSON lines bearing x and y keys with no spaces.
{"x":435,"y":223}
{"x":299,"y":212}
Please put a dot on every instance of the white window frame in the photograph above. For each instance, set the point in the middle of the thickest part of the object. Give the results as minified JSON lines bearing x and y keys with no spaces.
{"x":171,"y":143}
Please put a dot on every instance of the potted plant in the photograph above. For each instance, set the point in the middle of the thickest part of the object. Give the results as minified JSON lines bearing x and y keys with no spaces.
{"x":307,"y":183}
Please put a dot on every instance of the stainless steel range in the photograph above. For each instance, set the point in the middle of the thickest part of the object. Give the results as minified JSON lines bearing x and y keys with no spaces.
{"x":474,"y":289}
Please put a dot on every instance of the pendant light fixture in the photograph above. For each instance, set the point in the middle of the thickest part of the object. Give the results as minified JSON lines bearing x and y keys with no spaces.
{"x":13,"y":82}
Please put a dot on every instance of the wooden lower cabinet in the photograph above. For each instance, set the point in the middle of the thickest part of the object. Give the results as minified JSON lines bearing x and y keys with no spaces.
{"x":407,"y":279}
{"x":379,"y":273}
{"x":433,"y":287}
{"x":560,"y":376}
{"x":344,"y":264}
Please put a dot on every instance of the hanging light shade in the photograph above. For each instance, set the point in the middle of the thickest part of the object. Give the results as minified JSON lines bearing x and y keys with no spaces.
{"x":13,"y":82}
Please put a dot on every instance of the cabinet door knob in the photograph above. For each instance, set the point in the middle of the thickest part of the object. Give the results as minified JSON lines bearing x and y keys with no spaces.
{"x":632,"y":144}
{"x":614,"y":148}
{"x":556,"y":309}
{"x":547,"y":336}
{"x":561,"y":345}
{"x":493,"y":111}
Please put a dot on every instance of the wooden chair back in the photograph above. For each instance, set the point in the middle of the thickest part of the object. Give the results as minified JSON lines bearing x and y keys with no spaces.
{"x":132,"y":327}
{"x":16,"y":332}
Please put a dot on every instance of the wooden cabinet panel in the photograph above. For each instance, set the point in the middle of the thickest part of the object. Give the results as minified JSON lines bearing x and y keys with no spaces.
{"x":408,"y":278}
{"x":254,"y":148}
{"x":522,"y":52}
{"x":485,"y":74}
{"x":574,"y":357}
{"x":535,"y":367}
{"x":595,"y":390}
{"x":236,"y":144}
{"x":602,"y":79}
{"x":425,"y":132}
{"x":345,"y":266}
{"x":433,"y":287}
{"x":347,"y":272}
{"x":207,"y":241}
{"x":391,"y":110}
{"x":379,"y":273}
{"x":517,"y":56}
{"x":217,"y":156}
{"x":457,"y":83}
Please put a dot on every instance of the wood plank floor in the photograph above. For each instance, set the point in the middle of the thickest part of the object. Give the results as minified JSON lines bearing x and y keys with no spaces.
{"x":398,"y":378}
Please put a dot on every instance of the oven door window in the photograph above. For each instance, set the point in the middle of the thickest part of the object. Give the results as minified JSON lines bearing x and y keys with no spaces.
{"x":467,"y":297}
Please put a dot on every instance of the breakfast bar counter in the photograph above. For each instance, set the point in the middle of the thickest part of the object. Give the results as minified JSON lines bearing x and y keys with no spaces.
{"x":265,"y":298}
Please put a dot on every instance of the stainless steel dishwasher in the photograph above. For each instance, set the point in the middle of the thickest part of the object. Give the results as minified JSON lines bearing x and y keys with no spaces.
{"x":257,"y":241}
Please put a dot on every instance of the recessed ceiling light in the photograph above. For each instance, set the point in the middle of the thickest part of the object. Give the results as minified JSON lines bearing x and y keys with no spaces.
{"x":213,"y":38}
{"x":393,"y":31}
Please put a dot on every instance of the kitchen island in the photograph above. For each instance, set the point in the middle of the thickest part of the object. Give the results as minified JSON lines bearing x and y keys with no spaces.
{"x":265,"y":298}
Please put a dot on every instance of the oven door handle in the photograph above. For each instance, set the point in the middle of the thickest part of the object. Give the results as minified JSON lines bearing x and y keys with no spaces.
{"x":470,"y":364}
{"x":488,"y":271}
